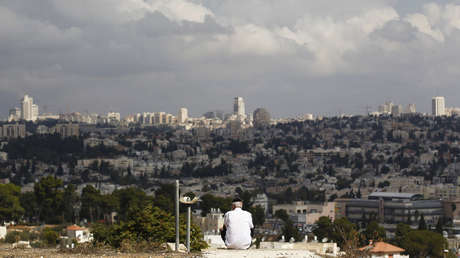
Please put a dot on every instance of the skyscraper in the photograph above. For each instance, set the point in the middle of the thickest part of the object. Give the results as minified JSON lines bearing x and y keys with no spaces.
{"x":182,"y":116}
{"x":34,"y":112}
{"x":29,"y":111}
{"x":438,"y":106}
{"x":238,"y":107}
{"x":411,"y":108}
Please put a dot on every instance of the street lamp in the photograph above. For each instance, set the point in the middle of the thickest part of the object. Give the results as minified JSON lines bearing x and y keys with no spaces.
{"x":188,"y":202}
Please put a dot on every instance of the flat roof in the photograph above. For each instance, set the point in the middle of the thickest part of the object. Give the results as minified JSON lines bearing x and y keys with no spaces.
{"x":394,"y":195}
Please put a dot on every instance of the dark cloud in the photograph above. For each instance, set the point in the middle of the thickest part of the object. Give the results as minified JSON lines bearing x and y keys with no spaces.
{"x":291,"y":56}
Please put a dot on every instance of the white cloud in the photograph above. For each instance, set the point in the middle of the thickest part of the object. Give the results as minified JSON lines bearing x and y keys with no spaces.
{"x":330,"y":39}
{"x":180,"y":10}
{"x":422,"y":23}
{"x":122,"y":11}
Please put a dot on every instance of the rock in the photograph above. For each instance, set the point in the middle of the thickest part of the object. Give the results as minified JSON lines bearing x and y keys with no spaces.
{"x":172,"y":247}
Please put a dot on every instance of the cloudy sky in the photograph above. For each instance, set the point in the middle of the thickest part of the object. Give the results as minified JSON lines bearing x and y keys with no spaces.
{"x":290,"y":56}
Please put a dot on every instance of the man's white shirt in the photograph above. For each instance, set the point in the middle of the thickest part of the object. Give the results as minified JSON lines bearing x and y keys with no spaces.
{"x":238,"y":223}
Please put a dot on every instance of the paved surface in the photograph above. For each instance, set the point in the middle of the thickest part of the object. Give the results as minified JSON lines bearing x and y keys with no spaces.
{"x":258,"y":253}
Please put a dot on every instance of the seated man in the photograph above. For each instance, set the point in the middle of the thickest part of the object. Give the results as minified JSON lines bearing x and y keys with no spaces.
{"x":237,"y":226}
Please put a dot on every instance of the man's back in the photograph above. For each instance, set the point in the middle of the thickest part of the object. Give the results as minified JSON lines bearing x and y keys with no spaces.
{"x":238,"y":223}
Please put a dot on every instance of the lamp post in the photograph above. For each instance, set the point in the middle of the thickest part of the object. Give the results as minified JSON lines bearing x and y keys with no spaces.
{"x":177,"y":215}
{"x":187,"y":201}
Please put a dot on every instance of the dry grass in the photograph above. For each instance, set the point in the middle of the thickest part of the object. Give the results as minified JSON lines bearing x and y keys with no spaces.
{"x":83,"y":251}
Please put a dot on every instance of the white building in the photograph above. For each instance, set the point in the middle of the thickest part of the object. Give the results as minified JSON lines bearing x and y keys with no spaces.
{"x":262,"y":201}
{"x":386,"y":108}
{"x":396,"y":110}
{"x":14,"y":114}
{"x":34,"y":112}
{"x":82,"y":235}
{"x":238,"y":107}
{"x":438,"y":106}
{"x":182,"y":116}
{"x":113,"y":116}
{"x":454,"y":111}
{"x":2,"y":232}
{"x":411,"y":109}
{"x":159,"y":118}
{"x":29,"y":111}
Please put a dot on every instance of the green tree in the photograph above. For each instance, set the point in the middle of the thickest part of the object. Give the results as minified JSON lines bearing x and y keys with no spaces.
{"x":289,"y":230}
{"x":71,"y":198}
{"x":323,"y":228}
{"x":10,"y":206}
{"x":165,"y":197}
{"x":282,"y":214}
{"x":90,"y":203}
{"x":345,"y":233}
{"x":373,"y":232}
{"x":424,"y":243}
{"x":131,"y":200}
{"x":258,"y":215}
{"x":439,"y":226}
{"x":30,"y":205}
{"x":49,"y":197}
{"x":402,"y":230}
{"x":422,"y":223}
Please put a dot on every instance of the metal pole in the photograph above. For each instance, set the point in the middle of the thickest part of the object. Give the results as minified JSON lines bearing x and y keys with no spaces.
{"x":177,"y":215}
{"x":189,"y":212}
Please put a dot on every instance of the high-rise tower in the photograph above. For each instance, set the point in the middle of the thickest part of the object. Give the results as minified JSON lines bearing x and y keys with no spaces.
{"x":238,"y":107}
{"x":26,"y":107}
{"x":438,"y":106}
{"x":182,"y":116}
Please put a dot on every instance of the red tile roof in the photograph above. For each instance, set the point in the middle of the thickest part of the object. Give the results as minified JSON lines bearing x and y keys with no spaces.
{"x":382,"y":247}
{"x":75,"y":228}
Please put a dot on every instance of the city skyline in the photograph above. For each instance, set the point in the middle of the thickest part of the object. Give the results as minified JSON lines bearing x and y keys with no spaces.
{"x":290,"y":57}
{"x":30,"y":112}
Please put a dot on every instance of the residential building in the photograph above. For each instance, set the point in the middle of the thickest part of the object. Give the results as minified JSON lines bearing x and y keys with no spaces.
{"x":29,"y":111}
{"x":34,"y":112}
{"x":158,"y":119}
{"x":396,"y":110}
{"x":238,"y":108}
{"x":386,"y":108}
{"x":306,"y":212}
{"x":438,"y":106}
{"x":13,"y":131}
{"x":113,"y":117}
{"x":182,"y":115}
{"x":81,"y":235}
{"x":14,"y":114}
{"x":262,"y":201}
{"x":390,"y":208}
{"x":411,"y":109}
{"x":66,"y":130}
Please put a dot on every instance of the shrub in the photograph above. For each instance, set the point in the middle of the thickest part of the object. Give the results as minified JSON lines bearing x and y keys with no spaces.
{"x":15,"y":236}
{"x":49,"y":237}
{"x":152,"y":225}
{"x":12,"y":237}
